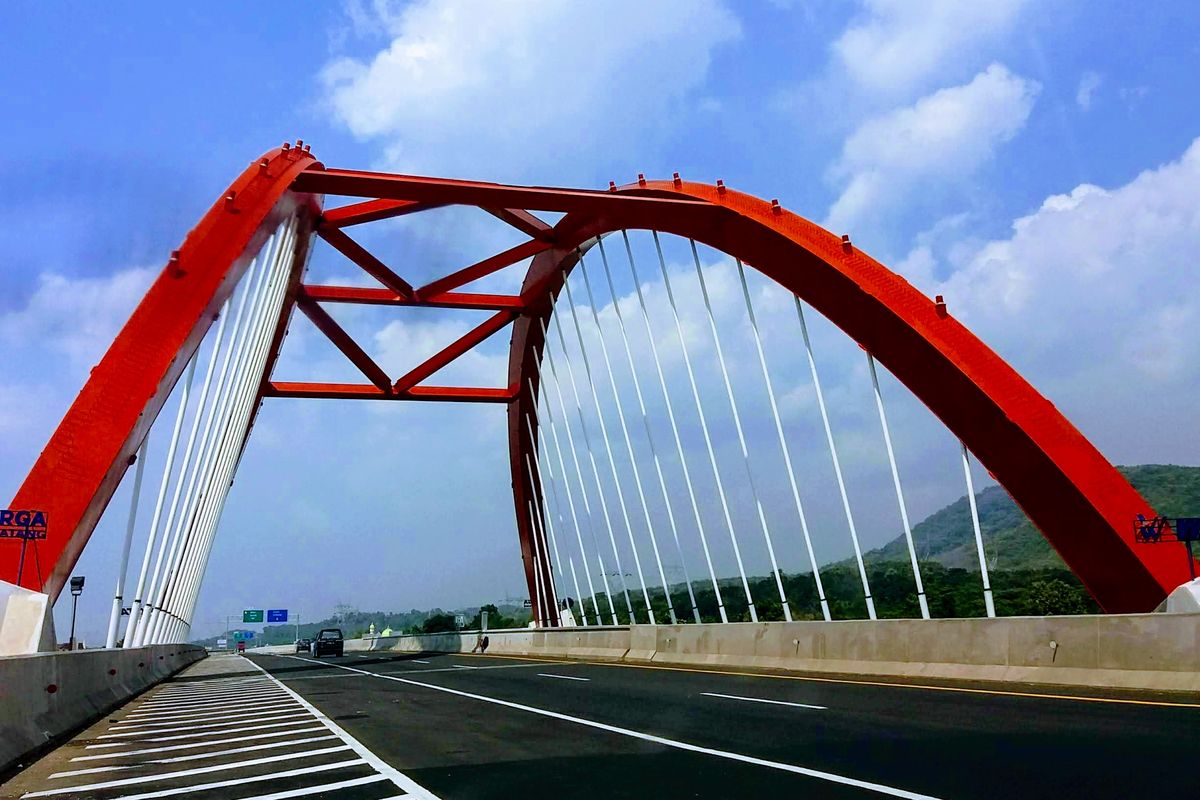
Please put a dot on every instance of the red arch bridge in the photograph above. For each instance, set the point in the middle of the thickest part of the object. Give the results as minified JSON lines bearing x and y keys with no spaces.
{"x":211,"y":326}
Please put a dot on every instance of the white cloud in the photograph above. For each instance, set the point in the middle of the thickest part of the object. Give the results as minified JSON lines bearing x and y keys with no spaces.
{"x":946,"y":135}
{"x":897,"y":44}
{"x":466,"y":87}
{"x":1089,"y":82}
{"x":1093,"y":296}
{"x":77,"y":317}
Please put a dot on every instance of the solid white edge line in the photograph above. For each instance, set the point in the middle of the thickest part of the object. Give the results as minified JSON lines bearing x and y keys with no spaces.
{"x":378,"y":764}
{"x":183,"y":773}
{"x":193,"y":745}
{"x":563,"y":677}
{"x":649,"y":737}
{"x":763,"y":700}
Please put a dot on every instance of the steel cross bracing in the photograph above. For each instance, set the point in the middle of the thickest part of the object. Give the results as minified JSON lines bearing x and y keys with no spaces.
{"x":250,"y":251}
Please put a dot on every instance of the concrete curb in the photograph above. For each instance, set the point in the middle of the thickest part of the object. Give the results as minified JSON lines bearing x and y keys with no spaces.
{"x":46,"y":696}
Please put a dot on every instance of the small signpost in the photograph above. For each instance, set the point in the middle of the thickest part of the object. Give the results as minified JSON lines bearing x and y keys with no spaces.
{"x":460,"y":620}
{"x":277,"y":615}
{"x":252,"y":615}
{"x":24,"y":524}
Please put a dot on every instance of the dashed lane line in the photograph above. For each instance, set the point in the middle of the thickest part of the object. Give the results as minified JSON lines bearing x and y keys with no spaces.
{"x":561,"y":677}
{"x":661,"y":740}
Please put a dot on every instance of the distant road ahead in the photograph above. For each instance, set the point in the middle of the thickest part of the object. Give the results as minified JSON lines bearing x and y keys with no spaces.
{"x":475,"y":727}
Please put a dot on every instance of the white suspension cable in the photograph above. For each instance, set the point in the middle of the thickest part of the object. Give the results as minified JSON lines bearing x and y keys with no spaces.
{"x":737,"y":424}
{"x":988,"y":602}
{"x":542,"y":524}
{"x":908,"y":537}
{"x":787,"y":456}
{"x":548,"y":352}
{"x":135,"y":609}
{"x":587,"y":443}
{"x":558,"y":508}
{"x":558,"y":449}
{"x":712,"y":456}
{"x":534,"y":467}
{"x":236,"y":433}
{"x":539,"y":586}
{"x":155,"y":606}
{"x":110,"y":641}
{"x":662,"y":481}
{"x":612,"y":462}
{"x":637,"y":476}
{"x":837,"y":467}
{"x":678,"y":441}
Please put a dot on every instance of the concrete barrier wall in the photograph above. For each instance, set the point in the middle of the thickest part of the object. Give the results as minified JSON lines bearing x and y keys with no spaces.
{"x":48,"y":695}
{"x":1132,"y":651}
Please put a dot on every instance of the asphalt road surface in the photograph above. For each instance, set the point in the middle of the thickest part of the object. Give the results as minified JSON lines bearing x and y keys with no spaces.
{"x":496,"y":727}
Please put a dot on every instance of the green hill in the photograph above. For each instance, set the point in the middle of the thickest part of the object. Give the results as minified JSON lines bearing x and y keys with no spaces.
{"x":1010,"y":540}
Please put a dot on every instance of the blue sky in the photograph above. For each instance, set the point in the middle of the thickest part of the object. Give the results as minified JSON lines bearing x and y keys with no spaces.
{"x":1034,"y":162}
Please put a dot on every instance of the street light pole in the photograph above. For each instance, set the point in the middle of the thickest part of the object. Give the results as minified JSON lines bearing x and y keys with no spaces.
{"x":76,"y":590}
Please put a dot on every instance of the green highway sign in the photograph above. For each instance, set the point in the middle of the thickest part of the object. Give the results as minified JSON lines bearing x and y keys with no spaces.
{"x":252,"y":615}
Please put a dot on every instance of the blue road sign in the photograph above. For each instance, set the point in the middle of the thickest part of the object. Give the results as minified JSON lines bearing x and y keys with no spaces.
{"x":277,"y":615}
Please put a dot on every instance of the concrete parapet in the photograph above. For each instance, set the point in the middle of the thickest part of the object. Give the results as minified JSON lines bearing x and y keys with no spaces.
{"x":1126,"y":651}
{"x":45,"y":696}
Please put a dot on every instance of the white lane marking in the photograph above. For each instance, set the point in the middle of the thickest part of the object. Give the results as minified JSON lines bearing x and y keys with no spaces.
{"x":324,"y":787}
{"x":208,"y":691}
{"x":563,"y":677}
{"x":763,"y":700}
{"x":291,"y":678}
{"x":204,"y":734}
{"x":378,"y":764}
{"x":194,"y":745}
{"x":270,"y":776}
{"x":662,"y":740}
{"x":183,"y":773}
{"x":154,"y":731}
{"x":451,"y":668}
{"x":462,"y":666}
{"x":205,"y":716}
{"x":193,"y":757}
{"x":195,"y":712}
{"x":419,"y":661}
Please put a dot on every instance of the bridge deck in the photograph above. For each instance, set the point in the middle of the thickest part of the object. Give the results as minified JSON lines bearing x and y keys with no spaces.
{"x":482,"y":726}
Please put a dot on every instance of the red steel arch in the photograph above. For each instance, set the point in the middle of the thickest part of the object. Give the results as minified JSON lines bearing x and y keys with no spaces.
{"x":1080,"y":502}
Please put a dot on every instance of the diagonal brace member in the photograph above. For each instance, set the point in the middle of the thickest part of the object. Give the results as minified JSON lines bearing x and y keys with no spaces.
{"x":460,"y":346}
{"x":342,"y":340}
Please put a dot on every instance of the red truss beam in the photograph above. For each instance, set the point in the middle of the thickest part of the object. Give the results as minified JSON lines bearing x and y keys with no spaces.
{"x":460,"y":346}
{"x":444,"y":191}
{"x":370,"y":264}
{"x":342,"y":340}
{"x":525,"y":222}
{"x":386,"y":297}
{"x":370,"y":211}
{"x":362,"y":391}
{"x":483,"y":268}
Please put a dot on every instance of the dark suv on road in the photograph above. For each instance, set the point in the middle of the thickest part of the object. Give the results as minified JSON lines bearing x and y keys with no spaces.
{"x":329,"y":642}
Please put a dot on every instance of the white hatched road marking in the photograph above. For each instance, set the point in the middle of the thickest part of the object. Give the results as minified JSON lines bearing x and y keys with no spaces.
{"x":201,"y":735}
{"x":143,"y":716}
{"x":161,"y":708}
{"x":182,"y":773}
{"x":563,"y":677}
{"x":215,"y":714}
{"x":193,"y":757}
{"x":763,"y":700}
{"x":194,"y":745}
{"x":324,"y":787}
{"x":291,"y":773}
{"x":273,"y":715}
{"x":649,"y":737}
